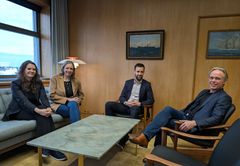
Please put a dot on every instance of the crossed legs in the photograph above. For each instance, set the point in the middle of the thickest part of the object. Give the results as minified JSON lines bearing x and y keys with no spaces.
{"x":163,"y":118}
{"x":70,"y":110}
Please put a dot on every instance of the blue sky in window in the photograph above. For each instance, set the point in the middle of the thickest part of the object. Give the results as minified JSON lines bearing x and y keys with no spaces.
{"x":19,"y":16}
{"x":13,"y":14}
{"x":15,"y":48}
{"x":15,"y":43}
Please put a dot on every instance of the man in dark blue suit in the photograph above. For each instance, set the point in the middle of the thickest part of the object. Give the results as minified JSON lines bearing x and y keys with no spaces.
{"x":207,"y":109}
{"x":136,"y":93}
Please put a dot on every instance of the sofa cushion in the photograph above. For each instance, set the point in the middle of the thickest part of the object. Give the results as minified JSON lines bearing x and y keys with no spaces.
{"x":13,"y":128}
{"x":2,"y":106}
{"x":1,"y":115}
{"x":57,"y":118}
{"x":6,"y":97}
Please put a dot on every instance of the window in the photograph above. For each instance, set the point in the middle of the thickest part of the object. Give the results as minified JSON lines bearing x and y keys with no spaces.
{"x":20,"y":35}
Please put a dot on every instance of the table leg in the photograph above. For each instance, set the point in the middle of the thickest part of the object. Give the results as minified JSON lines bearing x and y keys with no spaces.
{"x":136,"y":150}
{"x":40,"y":156}
{"x":81,"y":160}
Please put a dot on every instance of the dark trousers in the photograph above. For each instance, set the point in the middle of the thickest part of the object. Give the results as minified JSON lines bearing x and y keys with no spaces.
{"x":112,"y":108}
{"x":44,"y":124}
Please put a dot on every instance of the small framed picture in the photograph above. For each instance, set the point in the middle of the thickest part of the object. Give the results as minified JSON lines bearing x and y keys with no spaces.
{"x":223,"y":44}
{"x":145,"y":44}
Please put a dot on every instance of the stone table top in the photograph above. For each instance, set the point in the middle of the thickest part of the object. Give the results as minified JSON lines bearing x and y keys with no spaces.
{"x":90,"y":137}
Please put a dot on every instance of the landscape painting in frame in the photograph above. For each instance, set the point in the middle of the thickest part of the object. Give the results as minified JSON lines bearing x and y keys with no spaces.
{"x":223,"y":44}
{"x":145,"y":44}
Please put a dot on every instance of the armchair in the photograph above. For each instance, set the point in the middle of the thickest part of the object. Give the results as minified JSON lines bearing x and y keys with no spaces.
{"x":146,"y":117}
{"x":225,"y":153}
{"x":207,"y":141}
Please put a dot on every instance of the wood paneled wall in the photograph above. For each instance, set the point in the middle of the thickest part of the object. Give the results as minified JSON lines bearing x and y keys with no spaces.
{"x":97,"y":34}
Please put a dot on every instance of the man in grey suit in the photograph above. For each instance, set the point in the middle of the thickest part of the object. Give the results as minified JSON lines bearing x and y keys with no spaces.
{"x":207,"y":109}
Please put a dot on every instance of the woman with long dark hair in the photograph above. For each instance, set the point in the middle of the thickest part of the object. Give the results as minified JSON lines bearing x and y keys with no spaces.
{"x":30,"y":102}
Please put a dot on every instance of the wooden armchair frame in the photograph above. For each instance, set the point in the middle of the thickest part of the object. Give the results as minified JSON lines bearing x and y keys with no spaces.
{"x":175,"y":134}
{"x":150,"y":159}
{"x":193,"y":138}
{"x":146,"y":117}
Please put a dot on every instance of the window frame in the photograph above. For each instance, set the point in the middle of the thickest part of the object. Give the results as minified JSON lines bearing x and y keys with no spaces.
{"x":36,"y":33}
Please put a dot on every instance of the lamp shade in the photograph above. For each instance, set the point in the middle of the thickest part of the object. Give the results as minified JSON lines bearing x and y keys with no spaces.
{"x":73,"y":59}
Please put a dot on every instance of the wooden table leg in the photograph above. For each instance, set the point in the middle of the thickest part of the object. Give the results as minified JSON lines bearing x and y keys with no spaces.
{"x":81,"y":160}
{"x":136,"y":150}
{"x":40,"y":156}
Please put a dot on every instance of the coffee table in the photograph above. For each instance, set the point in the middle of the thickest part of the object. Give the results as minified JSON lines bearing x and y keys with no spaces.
{"x":90,"y":137}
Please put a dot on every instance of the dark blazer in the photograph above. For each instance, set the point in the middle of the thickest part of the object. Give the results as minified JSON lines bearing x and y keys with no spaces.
{"x":213,"y":110}
{"x":145,"y":96}
{"x":20,"y":99}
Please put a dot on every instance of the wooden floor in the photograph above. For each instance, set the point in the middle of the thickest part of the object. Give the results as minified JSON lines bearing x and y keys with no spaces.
{"x":27,"y":156}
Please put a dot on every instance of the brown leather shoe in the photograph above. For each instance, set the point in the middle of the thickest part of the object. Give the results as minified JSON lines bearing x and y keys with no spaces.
{"x":140,"y":140}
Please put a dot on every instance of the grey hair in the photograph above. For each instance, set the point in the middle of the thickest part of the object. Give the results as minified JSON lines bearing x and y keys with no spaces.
{"x":220,"y":69}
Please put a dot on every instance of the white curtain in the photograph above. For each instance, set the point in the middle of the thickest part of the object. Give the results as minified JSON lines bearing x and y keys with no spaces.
{"x":59,"y":32}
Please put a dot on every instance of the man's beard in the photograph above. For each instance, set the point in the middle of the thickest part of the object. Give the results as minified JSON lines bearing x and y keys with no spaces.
{"x":139,"y":78}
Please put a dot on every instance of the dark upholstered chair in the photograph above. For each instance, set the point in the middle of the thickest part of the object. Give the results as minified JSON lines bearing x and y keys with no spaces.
{"x":206,"y":141}
{"x":227,"y":152}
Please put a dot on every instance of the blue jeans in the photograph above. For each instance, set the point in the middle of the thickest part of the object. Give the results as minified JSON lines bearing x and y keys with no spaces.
{"x":164,"y":118}
{"x":71,"y":111}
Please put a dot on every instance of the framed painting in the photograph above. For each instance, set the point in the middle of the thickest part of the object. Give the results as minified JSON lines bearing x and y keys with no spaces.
{"x":223,"y":44}
{"x":145,"y":44}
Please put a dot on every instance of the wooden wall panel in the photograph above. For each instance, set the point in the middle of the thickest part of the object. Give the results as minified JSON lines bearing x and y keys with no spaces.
{"x":97,"y":32}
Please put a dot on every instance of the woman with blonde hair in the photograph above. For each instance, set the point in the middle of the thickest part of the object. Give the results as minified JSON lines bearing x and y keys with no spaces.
{"x":66,"y":93}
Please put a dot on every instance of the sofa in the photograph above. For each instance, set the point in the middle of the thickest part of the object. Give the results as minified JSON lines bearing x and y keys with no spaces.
{"x":15,"y":133}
